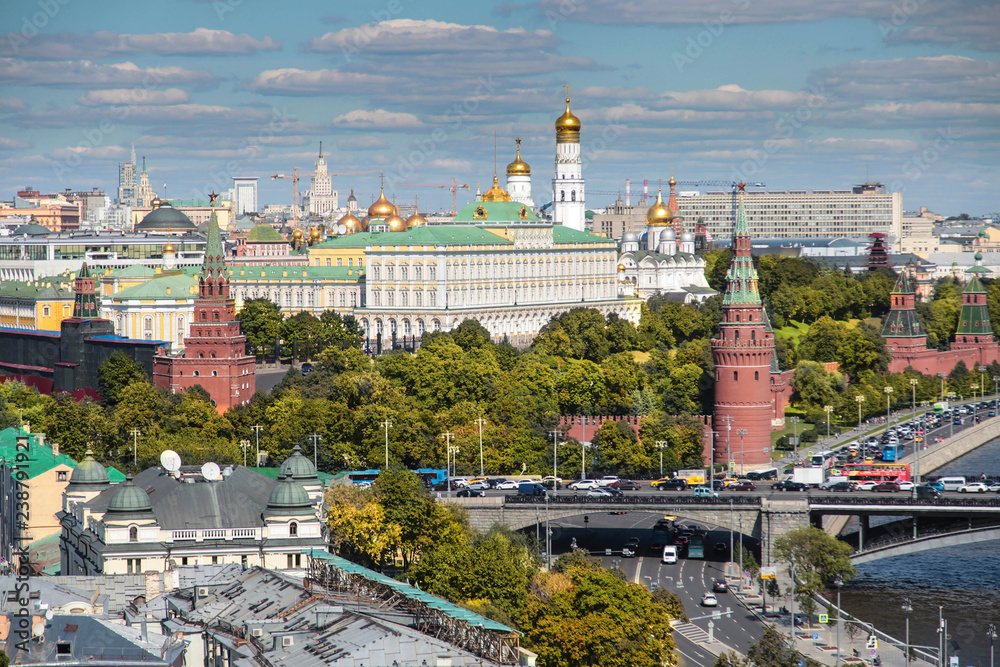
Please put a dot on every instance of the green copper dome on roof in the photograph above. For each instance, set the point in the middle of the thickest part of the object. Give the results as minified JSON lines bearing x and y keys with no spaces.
{"x":297,"y":467}
{"x":129,"y":501}
{"x":166,"y":218}
{"x":88,"y":474}
{"x":288,"y":497}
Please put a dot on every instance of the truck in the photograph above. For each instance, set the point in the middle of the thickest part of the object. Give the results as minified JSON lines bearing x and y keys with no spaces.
{"x":940,"y":406}
{"x":809,"y":475}
{"x":694,"y":476}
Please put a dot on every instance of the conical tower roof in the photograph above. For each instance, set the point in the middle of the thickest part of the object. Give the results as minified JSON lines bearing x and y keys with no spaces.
{"x":214,"y":265}
{"x":741,"y":281}
{"x":902,"y":320}
{"x":974,"y":320}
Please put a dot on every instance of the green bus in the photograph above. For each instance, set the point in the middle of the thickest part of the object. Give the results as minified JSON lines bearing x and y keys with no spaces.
{"x":696,"y":547}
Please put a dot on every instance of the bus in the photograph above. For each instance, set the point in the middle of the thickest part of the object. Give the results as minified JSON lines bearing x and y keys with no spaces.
{"x":892,"y":452}
{"x":696,"y":546}
{"x":430,"y":476}
{"x":359,"y":476}
{"x":876,"y":472}
{"x":822,"y":459}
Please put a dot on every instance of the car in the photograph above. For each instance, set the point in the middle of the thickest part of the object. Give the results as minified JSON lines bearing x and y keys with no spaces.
{"x":928,"y":492}
{"x":993,"y":486}
{"x":721,"y":548}
{"x":307,"y":368}
{"x":600,"y":492}
{"x":469,"y":492}
{"x":671,"y":484}
{"x":584,"y":484}
{"x":607,"y":480}
{"x":973,"y":487}
{"x":906,"y":486}
{"x":836,"y":486}
{"x":631,"y":547}
{"x":886,"y":487}
{"x":625,"y":485}
{"x":720,"y":586}
{"x":741,"y":485}
{"x":443,"y":486}
{"x":729,"y":480}
{"x":936,"y":484}
{"x":705,"y":492}
{"x":478,"y":485}
{"x":459,"y":481}
{"x":550,"y":482}
{"x":507,"y":485}
{"x":867,"y":485}
{"x":789,"y":485}
{"x":709,"y":600}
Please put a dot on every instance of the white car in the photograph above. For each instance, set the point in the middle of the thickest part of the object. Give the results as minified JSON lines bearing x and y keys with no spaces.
{"x":906,"y":486}
{"x":973,"y":487}
{"x":709,"y":600}
{"x":598,"y":492}
{"x":582,"y":484}
{"x":607,"y":480}
{"x":867,"y":486}
{"x":509,"y":485}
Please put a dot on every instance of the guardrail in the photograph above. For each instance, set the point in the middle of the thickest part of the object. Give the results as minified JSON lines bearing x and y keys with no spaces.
{"x":905,"y":500}
{"x":932,"y":534}
{"x":725,"y":501}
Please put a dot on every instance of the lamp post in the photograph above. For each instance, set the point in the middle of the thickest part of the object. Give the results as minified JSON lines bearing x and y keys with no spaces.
{"x":942,"y":376}
{"x":447,"y":436}
{"x":982,"y":379}
{"x":583,"y":459}
{"x":838,"y":581}
{"x":951,"y":419}
{"x":245,"y":445}
{"x":859,"y":399}
{"x":827,"y":409}
{"x":907,"y":608}
{"x":316,"y":437}
{"x":795,"y":435}
{"x":386,"y":425}
{"x":996,"y":383}
{"x":135,"y":446}
{"x":482,"y":421}
{"x":661,"y":445}
{"x":555,"y":459}
{"x":888,"y":395}
{"x":992,"y":634}
{"x":742,"y":432}
{"x":257,"y":428}
{"x":583,"y":445}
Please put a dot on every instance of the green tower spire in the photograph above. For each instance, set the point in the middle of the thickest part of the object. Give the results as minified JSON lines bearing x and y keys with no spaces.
{"x":902,"y":320}
{"x":214,"y":265}
{"x":974,"y":319}
{"x":85,"y":304}
{"x":741,"y":280}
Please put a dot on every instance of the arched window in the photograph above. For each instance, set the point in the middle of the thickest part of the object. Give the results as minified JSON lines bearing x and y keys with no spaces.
{"x":133,"y":534}
{"x":756,"y":375}
{"x":562,"y":195}
{"x":737,"y":334}
{"x":736,"y":376}
{"x":293,"y":529}
{"x":753,"y":335}
{"x":572,"y":195}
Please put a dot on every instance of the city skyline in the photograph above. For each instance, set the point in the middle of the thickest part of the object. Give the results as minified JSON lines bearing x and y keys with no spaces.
{"x":799,"y":95}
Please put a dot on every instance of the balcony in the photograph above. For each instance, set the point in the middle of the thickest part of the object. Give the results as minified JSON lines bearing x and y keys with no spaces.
{"x":204,"y":534}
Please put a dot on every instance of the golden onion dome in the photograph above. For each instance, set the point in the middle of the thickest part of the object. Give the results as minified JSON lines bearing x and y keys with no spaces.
{"x":381,"y":207}
{"x":351,"y":224}
{"x":567,"y":122}
{"x":658,"y":214}
{"x":496,"y":193}
{"x":518,"y":167}
{"x":169,"y":248}
{"x":314,"y":233}
{"x":621,"y":268}
{"x":365,"y":222}
{"x":416,"y":220}
{"x":395,"y":223}
{"x":155,"y":203}
{"x":297,"y":234}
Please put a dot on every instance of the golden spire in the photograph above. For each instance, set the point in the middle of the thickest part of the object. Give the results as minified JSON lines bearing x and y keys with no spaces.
{"x":518,"y":166}
{"x":567,"y":125}
{"x":496,"y":193}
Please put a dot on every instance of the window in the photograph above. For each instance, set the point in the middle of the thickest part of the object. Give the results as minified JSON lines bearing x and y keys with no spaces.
{"x":328,"y":262}
{"x":293,"y":529}
{"x":736,"y":376}
{"x":46,"y":311}
{"x":340,"y":261}
{"x":61,"y":476}
{"x":184,"y":560}
{"x":562,"y":195}
{"x":756,"y":375}
{"x":572,"y":195}
{"x":133,"y":534}
{"x":215,"y":560}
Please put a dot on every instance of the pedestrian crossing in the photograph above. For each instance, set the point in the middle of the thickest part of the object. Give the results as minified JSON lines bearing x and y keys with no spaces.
{"x":691,"y":632}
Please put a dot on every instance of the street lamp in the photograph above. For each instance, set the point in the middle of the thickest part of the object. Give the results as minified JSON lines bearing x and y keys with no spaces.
{"x":386,"y":425}
{"x":584,"y":446}
{"x":555,"y":460}
{"x":859,"y":399}
{"x":482,"y":421}
{"x":661,"y":445}
{"x":135,"y":446}
{"x":447,"y":436}
{"x":245,"y":445}
{"x":827,"y":409}
{"x":795,"y":435}
{"x":907,"y":608}
{"x":996,"y":382}
{"x":992,"y":634}
{"x":257,"y":428}
{"x":742,"y":432}
{"x":888,"y":394}
{"x":942,"y":376}
{"x":838,"y":581}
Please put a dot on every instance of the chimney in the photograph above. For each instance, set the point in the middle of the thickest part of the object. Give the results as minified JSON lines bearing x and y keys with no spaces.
{"x":55,"y":447}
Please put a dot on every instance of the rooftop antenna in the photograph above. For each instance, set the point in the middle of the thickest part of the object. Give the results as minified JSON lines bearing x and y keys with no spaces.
{"x":494,"y":151}
{"x":211,"y":471}
{"x":321,"y":149}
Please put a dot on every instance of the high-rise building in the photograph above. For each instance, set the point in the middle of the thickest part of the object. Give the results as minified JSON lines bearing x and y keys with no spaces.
{"x":145,"y":195}
{"x":321,"y":198}
{"x":743,"y":354}
{"x":126,"y":181}
{"x":244,"y":195}
{"x":568,"y":207}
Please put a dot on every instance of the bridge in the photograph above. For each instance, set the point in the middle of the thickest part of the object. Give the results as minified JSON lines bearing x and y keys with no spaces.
{"x":919,"y":525}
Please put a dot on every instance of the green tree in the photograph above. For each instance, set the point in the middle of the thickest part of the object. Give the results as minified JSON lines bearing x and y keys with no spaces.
{"x":261,"y":320}
{"x":470,"y":334}
{"x":118,"y":372}
{"x":619,"y":449}
{"x":816,"y":558}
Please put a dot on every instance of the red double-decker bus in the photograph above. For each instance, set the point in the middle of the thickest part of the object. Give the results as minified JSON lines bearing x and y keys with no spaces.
{"x":876,"y":472}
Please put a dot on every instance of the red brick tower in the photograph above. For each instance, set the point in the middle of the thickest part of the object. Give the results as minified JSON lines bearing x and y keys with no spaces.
{"x":742,"y":354}
{"x":215,"y":354}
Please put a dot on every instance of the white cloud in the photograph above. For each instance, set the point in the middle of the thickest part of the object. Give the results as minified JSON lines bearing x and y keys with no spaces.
{"x":451,"y":164}
{"x":9,"y":144}
{"x":133,"y":96}
{"x":946,"y":77}
{"x":104,"y":44}
{"x":365,"y":143}
{"x":99,"y":152}
{"x":861,"y":146}
{"x":12,"y":104}
{"x":290,"y":81}
{"x":379,"y":118}
{"x":731,"y":97}
{"x":430,"y":37}
{"x":86,"y":74}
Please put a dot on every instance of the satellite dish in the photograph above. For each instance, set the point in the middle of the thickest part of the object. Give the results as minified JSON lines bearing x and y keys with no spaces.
{"x":170,"y":460}
{"x":48,"y":614}
{"x":38,"y":629}
{"x":341,"y":229}
{"x":211,"y":471}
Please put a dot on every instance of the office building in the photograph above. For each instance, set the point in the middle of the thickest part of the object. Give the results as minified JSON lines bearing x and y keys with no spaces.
{"x":321,"y":199}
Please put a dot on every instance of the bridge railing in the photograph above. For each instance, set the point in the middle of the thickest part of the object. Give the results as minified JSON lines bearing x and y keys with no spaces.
{"x":569,"y":499}
{"x":904,"y":500}
{"x":931,"y":533}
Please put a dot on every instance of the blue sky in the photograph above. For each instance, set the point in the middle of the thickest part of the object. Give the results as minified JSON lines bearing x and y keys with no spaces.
{"x":798,"y":94}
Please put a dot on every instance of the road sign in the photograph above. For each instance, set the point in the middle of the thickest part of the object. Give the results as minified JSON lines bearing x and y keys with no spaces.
{"x":953,"y":661}
{"x":769,"y":572}
{"x":874,"y":652}
{"x":815,"y":635}
{"x":872,"y":642}
{"x":824,"y":618}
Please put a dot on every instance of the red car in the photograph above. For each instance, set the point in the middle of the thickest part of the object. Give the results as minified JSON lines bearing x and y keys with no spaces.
{"x":742,"y":485}
{"x":889,"y":487}
{"x":625,"y":485}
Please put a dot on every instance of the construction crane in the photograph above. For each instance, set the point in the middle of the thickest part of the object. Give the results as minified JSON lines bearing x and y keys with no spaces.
{"x":295,"y":176}
{"x":454,"y":187}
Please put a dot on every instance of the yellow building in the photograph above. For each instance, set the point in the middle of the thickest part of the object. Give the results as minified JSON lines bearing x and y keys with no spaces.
{"x":36,"y":306}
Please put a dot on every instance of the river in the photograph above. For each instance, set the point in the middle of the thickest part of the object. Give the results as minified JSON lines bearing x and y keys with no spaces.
{"x":965,"y":581}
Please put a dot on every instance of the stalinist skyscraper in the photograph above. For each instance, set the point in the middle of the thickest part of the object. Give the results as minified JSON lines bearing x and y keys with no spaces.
{"x":568,"y":207}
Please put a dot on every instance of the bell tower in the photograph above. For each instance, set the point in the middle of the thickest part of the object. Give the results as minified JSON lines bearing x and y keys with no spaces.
{"x":742,"y":353}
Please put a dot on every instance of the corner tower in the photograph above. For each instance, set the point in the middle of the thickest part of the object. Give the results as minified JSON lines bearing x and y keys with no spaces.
{"x":902,"y":330}
{"x":568,"y":208}
{"x":974,"y":321}
{"x":742,"y":354}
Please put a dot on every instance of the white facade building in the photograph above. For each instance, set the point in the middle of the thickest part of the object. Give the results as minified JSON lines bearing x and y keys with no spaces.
{"x":568,"y":208}
{"x":519,"y":180}
{"x":321,"y":198}
{"x":244,"y":195}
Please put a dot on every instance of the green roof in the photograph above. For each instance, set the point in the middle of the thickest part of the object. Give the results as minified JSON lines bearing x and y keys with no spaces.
{"x":274,"y":472}
{"x":11,"y":290}
{"x":134,"y":271}
{"x":178,"y":283}
{"x":563,"y":234}
{"x":40,"y":457}
{"x":264,"y":233}
{"x":424,"y":235}
{"x":496,"y":211}
{"x":277,"y":272}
